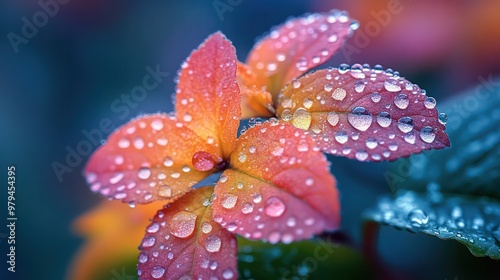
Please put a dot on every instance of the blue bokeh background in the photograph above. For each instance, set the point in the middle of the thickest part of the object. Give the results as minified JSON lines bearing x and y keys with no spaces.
{"x":65,"y":78}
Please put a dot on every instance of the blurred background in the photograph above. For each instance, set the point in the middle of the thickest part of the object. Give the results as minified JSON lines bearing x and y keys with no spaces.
{"x":60,"y":78}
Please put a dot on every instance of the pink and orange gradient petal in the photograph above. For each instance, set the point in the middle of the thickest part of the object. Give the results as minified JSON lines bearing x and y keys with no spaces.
{"x":255,"y":102}
{"x":297,"y":46}
{"x":208,"y":97}
{"x":365,"y":114}
{"x":148,"y":159}
{"x":184,"y":241}
{"x":278,"y":187}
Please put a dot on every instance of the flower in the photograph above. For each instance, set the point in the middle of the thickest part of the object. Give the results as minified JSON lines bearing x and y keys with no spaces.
{"x":352,"y":111}
{"x":275,"y":185}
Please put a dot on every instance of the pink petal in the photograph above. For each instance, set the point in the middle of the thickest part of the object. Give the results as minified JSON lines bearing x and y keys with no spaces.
{"x":363,"y":113}
{"x":208,"y":97}
{"x":184,"y":241}
{"x":147,"y":159}
{"x":279,"y":187}
{"x":297,"y":46}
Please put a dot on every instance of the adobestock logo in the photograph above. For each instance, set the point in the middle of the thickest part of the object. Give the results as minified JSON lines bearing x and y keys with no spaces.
{"x":121,"y":106}
{"x":49,"y":9}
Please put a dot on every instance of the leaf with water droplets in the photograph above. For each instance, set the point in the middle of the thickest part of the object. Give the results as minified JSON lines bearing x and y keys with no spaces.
{"x":183,"y":240}
{"x":208,"y":97}
{"x":296,"y":46}
{"x":472,"y":221}
{"x":362,"y":113}
{"x":112,"y":231}
{"x":278,"y":187}
{"x":150,"y":158}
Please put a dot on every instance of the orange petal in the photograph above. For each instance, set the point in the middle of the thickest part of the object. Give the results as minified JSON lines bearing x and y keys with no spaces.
{"x":255,"y":102}
{"x":148,"y":159}
{"x":113,"y":231}
{"x":208,"y":97}
{"x":363,"y":113}
{"x":184,"y":241}
{"x":279,"y":187}
{"x":297,"y":46}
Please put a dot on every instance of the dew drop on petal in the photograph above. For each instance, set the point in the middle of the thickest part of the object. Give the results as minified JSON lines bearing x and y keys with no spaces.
{"x":339,"y":94}
{"x":418,"y":218}
{"x":359,"y":86}
{"x":203,"y":161}
{"x":427,"y":134}
{"x":213,"y":243}
{"x":405,"y":124}
{"x":257,"y":198}
{"x":228,"y":273}
{"x":143,"y":257}
{"x":229,"y":201}
{"x":138,"y":143}
{"x":301,"y":119}
{"x":391,"y":84}
{"x":168,"y":162}
{"x":409,"y":137}
{"x":443,"y":118}
{"x":361,"y":155}
{"x":157,"y":272}
{"x":182,"y":224}
{"x":375,"y":97}
{"x":360,"y":118}
{"x":341,"y":136}
{"x":332,"y":118}
{"x":274,"y":207}
{"x":430,"y":102}
{"x":307,"y":103}
{"x":157,"y":124}
{"x":165,"y":191}
{"x":401,"y":101}
{"x":153,"y":228}
{"x":123,"y":143}
{"x":144,"y":173}
{"x":148,"y":241}
{"x":384,"y":119}
{"x":206,"y":227}
{"x":371,"y":143}
{"x":247,"y":208}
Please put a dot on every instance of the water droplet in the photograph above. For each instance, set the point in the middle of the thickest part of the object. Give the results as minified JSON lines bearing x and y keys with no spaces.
{"x":165,"y":191}
{"x":143,"y":257}
{"x":332,"y":38}
{"x":309,"y":182}
{"x":274,"y":207}
{"x":410,"y":137}
{"x":332,"y":118}
{"x":341,"y":136}
{"x":371,"y":143}
{"x":203,"y":161}
{"x":443,"y":118}
{"x":170,"y":255}
{"x":354,"y":25}
{"x":157,"y":272}
{"x":229,"y":201}
{"x":257,"y":198}
{"x":144,"y":173}
{"x":296,"y":85}
{"x":384,"y":119}
{"x":361,"y":155}
{"x":123,"y":143}
{"x":302,"y":119}
{"x":247,"y":208}
{"x":138,"y":143}
{"x":393,"y":146}
{"x":430,"y":102}
{"x":375,"y":97}
{"x":157,"y":124}
{"x":153,"y":228}
{"x":359,"y":87}
{"x":278,"y":151}
{"x":206,"y":227}
{"x":307,"y":103}
{"x":392,"y":85}
{"x":213,"y":243}
{"x":427,"y":134}
{"x":182,"y":224}
{"x":274,"y":237}
{"x":418,"y":218}
{"x":228,"y":273}
{"x":339,"y":94}
{"x":242,"y":157}
{"x":280,"y":57}
{"x":168,"y":162}
{"x":116,"y":178}
{"x":360,"y":118}
{"x":148,"y":241}
{"x":405,"y":124}
{"x":401,"y":101}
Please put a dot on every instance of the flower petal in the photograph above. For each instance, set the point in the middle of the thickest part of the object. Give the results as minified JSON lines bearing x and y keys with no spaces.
{"x":297,"y":46}
{"x":255,"y":101}
{"x":148,"y":159}
{"x":183,"y":240}
{"x":112,"y":231}
{"x":208,"y":97}
{"x":278,"y":188}
{"x":363,"y":113}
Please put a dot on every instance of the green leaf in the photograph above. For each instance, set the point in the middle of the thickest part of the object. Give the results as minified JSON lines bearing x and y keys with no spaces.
{"x":300,"y":260}
{"x":453,"y":193}
{"x":474,"y":222}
